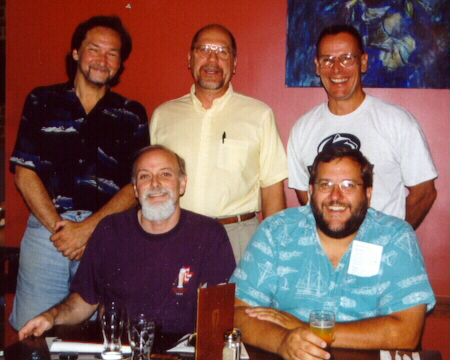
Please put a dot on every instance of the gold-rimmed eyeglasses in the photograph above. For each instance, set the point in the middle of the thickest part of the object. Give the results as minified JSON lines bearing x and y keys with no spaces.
{"x":346,"y":60}
{"x":346,"y":186}
{"x":205,"y":50}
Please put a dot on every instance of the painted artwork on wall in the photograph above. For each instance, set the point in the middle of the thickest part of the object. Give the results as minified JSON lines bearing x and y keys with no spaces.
{"x":407,"y":40}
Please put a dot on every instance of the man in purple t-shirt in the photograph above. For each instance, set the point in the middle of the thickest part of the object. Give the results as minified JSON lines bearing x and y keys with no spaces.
{"x":149,"y":260}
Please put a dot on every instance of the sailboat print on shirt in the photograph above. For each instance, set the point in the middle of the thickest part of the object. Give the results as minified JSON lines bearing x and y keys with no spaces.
{"x":311,"y":284}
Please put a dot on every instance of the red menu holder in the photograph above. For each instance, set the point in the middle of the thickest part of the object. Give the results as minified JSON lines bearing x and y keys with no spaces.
{"x":215,"y":315}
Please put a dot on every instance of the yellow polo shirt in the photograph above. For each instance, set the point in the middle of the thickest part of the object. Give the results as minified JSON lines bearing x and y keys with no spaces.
{"x":231,"y":150}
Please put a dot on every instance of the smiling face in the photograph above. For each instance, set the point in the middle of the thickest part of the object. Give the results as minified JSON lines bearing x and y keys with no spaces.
{"x":212,"y":73}
{"x":339,"y":215}
{"x":158,"y":185}
{"x":342,"y":84}
{"x":98,"y":56}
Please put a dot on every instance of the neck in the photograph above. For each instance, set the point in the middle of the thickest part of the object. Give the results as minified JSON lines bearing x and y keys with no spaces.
{"x":347,"y":106}
{"x":207,"y":97}
{"x":88,"y":93}
{"x":335,"y":248}
{"x":159,"y":227}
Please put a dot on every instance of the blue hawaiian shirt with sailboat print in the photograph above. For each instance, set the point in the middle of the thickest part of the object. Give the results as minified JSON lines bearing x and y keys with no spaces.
{"x":286,"y":268}
{"x":82,"y":159}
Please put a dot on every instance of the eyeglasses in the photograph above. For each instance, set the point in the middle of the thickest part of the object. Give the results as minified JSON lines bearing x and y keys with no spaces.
{"x":346,"y":60}
{"x":205,"y":50}
{"x":346,"y":186}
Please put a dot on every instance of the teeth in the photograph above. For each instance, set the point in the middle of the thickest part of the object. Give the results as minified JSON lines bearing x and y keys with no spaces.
{"x":337,"y":208}
{"x":339,"y":81}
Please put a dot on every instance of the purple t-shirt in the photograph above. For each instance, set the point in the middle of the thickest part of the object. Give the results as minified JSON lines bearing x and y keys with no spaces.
{"x":155,"y":274}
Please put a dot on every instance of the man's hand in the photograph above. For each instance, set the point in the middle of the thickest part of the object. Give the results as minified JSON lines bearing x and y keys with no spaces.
{"x":301,"y":344}
{"x":70,"y":238}
{"x":279,"y":317}
{"x":37,"y":326}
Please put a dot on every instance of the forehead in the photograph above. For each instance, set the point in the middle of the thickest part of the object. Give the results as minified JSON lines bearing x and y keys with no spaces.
{"x":340,"y":43}
{"x":156,"y":160}
{"x":214,"y":36}
{"x":100,"y":33}
{"x":339,"y":169}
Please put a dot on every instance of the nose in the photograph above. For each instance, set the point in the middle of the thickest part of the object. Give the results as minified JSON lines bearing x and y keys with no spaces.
{"x":155,"y":182}
{"x":102,"y":58}
{"x":336,"y":192}
{"x":213,"y":56}
{"x":336,"y":66}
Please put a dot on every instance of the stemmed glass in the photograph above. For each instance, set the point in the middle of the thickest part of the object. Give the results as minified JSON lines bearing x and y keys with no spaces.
{"x":112,"y":318}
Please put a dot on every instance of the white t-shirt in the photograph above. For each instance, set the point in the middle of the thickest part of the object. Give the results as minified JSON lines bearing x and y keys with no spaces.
{"x":388,"y":135}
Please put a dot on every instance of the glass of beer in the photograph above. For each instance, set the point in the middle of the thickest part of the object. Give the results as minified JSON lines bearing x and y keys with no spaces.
{"x":321,"y":323}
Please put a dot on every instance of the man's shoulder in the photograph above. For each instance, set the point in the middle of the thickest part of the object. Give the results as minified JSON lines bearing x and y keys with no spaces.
{"x":386,"y":224}
{"x":120,"y":217}
{"x":195,"y":219}
{"x":174,"y":103}
{"x":312,"y":115}
{"x":237,"y":96}
{"x":55,"y":88}
{"x":385,"y":106}
{"x":122,"y":101}
{"x":290,"y":217}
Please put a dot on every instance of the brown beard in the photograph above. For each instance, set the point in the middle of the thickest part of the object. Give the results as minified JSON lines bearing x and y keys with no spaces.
{"x":351,"y":226}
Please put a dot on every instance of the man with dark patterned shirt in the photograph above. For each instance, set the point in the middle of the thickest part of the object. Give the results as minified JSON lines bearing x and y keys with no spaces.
{"x":71,"y":162}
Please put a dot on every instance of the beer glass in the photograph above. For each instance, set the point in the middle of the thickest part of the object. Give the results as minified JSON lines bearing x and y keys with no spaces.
{"x":321,"y":323}
{"x":141,"y":333}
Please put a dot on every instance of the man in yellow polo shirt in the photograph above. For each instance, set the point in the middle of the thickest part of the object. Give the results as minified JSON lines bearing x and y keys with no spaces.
{"x":237,"y":162}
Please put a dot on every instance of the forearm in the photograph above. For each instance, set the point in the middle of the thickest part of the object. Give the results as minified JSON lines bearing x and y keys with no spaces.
{"x":255,"y":332}
{"x":72,"y":311}
{"x":36,"y":197}
{"x":419,"y":202}
{"x":302,"y":197}
{"x":400,"y":330}
{"x":125,"y":199}
{"x":273,"y":199}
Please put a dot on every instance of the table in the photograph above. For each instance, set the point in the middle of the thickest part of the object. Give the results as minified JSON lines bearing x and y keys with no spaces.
{"x":36,"y":348}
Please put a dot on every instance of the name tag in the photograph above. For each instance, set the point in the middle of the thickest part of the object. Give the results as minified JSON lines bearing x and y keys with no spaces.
{"x":365,"y":259}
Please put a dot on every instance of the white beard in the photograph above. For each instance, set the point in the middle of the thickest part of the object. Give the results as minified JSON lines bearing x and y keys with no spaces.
{"x":158,"y":212}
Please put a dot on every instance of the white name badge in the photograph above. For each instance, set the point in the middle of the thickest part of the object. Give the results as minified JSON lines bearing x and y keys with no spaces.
{"x":365,"y":259}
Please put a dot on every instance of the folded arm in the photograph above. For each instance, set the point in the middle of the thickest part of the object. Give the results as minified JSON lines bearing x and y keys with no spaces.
{"x":72,"y":237}
{"x":419,"y":201}
{"x":73,"y":310}
{"x":292,"y":344}
{"x":399,"y":330}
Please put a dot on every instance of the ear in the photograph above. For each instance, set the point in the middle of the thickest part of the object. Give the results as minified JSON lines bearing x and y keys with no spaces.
{"x":311,"y":189}
{"x":234,"y":65}
{"x":189,"y":59}
{"x":316,"y":61}
{"x":369,"y":194}
{"x":183,"y":185}
{"x":75,"y":54}
{"x":135,"y":191}
{"x":364,"y":62}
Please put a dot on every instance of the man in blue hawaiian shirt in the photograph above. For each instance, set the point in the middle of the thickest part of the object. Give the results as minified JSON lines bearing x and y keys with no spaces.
{"x":72,"y":161}
{"x":336,"y":254}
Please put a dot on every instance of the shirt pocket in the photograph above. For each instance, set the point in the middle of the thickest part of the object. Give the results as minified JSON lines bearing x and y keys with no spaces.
{"x":233,"y":155}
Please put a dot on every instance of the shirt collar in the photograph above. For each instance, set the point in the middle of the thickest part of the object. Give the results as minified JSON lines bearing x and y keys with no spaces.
{"x":218,"y":103}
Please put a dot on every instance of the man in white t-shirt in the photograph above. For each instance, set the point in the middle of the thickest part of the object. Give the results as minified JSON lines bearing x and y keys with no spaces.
{"x":388,"y":135}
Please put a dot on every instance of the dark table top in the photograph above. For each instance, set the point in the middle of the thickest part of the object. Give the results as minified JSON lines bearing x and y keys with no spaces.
{"x":36,"y":348}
